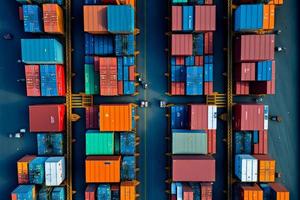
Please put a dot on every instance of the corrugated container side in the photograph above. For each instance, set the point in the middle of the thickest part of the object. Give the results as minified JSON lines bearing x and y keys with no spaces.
{"x":178,"y":88}
{"x":205,"y":18}
{"x":176,"y":18}
{"x":32,"y":74}
{"x":92,"y":117}
{"x":206,"y":191}
{"x":182,"y":45}
{"x":95,"y":19}
{"x":90,"y":192}
{"x":23,"y":169}
{"x":53,"y":18}
{"x":120,"y":19}
{"x":128,"y":190}
{"x":54,"y":171}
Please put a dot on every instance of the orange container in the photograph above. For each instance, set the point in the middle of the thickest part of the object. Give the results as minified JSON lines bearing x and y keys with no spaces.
{"x":266,"y":168}
{"x":251,"y":193}
{"x":53,"y":18}
{"x":128,"y":190}
{"x":95,"y":19}
{"x":102,"y":169}
{"x":130,"y":2}
{"x":269,"y":17}
{"x":276,"y":2}
{"x":281,"y":193}
{"x":22,"y":167}
{"x":116,"y":117}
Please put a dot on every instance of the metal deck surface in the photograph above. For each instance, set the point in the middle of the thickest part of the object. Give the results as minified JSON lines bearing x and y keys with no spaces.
{"x":152,"y":126}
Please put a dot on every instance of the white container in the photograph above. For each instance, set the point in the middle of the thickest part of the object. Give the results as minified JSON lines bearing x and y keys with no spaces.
{"x":54,"y":171}
{"x":179,"y":191}
{"x":212,"y":117}
{"x":266,"y":117}
{"x":173,"y":188}
{"x":246,"y":168}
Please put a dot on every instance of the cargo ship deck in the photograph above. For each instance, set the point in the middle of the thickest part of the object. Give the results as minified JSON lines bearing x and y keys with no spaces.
{"x":152,"y":128}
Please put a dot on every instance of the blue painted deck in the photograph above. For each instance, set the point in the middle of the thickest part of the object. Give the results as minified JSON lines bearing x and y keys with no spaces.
{"x":152,"y":64}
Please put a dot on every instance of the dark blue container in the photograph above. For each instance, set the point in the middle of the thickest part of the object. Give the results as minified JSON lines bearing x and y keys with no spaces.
{"x":179,"y":117}
{"x":198,"y":44}
{"x":128,"y":60}
{"x":208,"y":72}
{"x":50,"y":144}
{"x":266,"y":191}
{"x":129,"y":87}
{"x":128,"y":168}
{"x":189,"y":60}
{"x":89,"y":60}
{"x":127,"y":143}
{"x":37,"y":170}
{"x":126,"y":73}
{"x":120,"y":68}
{"x":120,"y":18}
{"x":89,"y":44}
{"x":178,"y":73}
{"x":188,"y":18}
{"x":48,"y":79}
{"x":104,"y":191}
{"x":208,"y":59}
{"x":124,"y":45}
{"x":243,"y":142}
{"x":264,"y":71}
{"x":92,"y":2}
{"x":173,"y":61}
{"x":133,"y":118}
{"x":32,"y":15}
{"x":44,"y":193}
{"x":255,"y":137}
{"x":58,"y":193}
{"x":99,"y":44}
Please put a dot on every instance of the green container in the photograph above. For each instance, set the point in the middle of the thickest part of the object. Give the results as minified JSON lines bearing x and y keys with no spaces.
{"x":179,"y":1}
{"x":189,"y":142}
{"x":91,"y":79}
{"x":99,"y":143}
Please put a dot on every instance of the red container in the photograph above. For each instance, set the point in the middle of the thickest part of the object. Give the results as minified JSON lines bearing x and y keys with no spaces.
{"x":279,"y":191}
{"x":199,"y":60}
{"x":21,"y":16}
{"x":92,"y":117}
{"x":242,"y":88}
{"x":179,"y":60}
{"x":90,"y":192}
{"x":254,"y":48}
{"x":262,"y":146}
{"x":208,"y":88}
{"x":173,"y":197}
{"x":131,"y":73}
{"x":182,"y":45}
{"x":108,"y":76}
{"x":265,"y":87}
{"x":47,"y":118}
{"x":205,"y":18}
{"x":211,"y":141}
{"x":193,"y":168}
{"x":245,"y":72}
{"x":248,"y":117}
{"x":32,"y":74}
{"x":120,"y":87}
{"x":177,"y":88}
{"x":176,"y":18}
{"x":208,"y":43}
{"x":208,"y":2}
{"x":188,"y":193}
{"x":60,"y":78}
{"x":206,"y":191}
{"x":198,"y":117}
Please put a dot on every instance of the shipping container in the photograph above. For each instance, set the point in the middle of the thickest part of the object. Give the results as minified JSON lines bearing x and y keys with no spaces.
{"x":50,"y":144}
{"x":279,"y":192}
{"x":99,"y":143}
{"x":42,"y":51}
{"x":115,"y":192}
{"x":189,"y":142}
{"x":24,"y":192}
{"x":254,"y":48}
{"x":178,"y":73}
{"x":179,"y":117}
{"x":117,"y":117}
{"x":47,"y":118}
{"x":108,"y":76}
{"x":262,"y":146}
{"x":208,"y":43}
{"x":32,"y":74}
{"x":205,"y":18}
{"x":55,"y":171}
{"x":120,"y":18}
{"x":246,"y":167}
{"x":188,"y":18}
{"x":199,"y":60}
{"x":23,"y":169}
{"x":37,"y":170}
{"x":187,"y":192}
{"x":242,"y":87}
{"x":211,"y":141}
{"x":202,"y":117}
{"x":90,"y":192}
{"x":206,"y":191}
{"x":127,"y":143}
{"x":95,"y":19}
{"x":193,"y":168}
{"x":208,"y":88}
{"x":45,"y":193}
{"x":103,"y":191}
{"x":176,"y":18}
{"x":90,"y":79}
{"x":52,"y":80}
{"x":58,"y":193}
{"x":53,"y":18}
{"x":177,"y":88}
{"x":264,"y":71}
{"x":32,"y":15}
{"x":266,"y":168}
{"x":99,"y":44}
{"x":102,"y":169}
{"x":251,"y":192}
{"x":128,"y":190}
{"x":182,"y":45}
{"x":245,"y":72}
{"x":198,"y":44}
{"x":129,"y":87}
{"x":194,"y":80}
{"x":124,"y":45}
{"x":243,"y":142}
{"x":92,"y":117}
{"x":128,"y":168}
{"x":208,"y":72}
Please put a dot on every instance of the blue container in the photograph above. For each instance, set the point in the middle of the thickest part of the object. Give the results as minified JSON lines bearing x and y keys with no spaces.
{"x":128,"y":168}
{"x":120,"y":68}
{"x":266,"y":191}
{"x":58,"y":193}
{"x":89,"y":60}
{"x":128,"y":60}
{"x":196,"y":191}
{"x":248,"y":17}
{"x":264,"y":71}
{"x":188,"y":18}
{"x":44,"y":193}
{"x":133,"y":118}
{"x":255,"y":137}
{"x":120,"y":18}
{"x":48,"y":79}
{"x":208,"y":59}
{"x":92,"y":2}
{"x":189,"y":60}
{"x":198,"y":44}
{"x":208,"y":72}
{"x":173,"y":61}
{"x":32,"y":15}
{"x":60,"y":2}
{"x":24,"y":192}
{"x":194,"y":80}
{"x":50,"y":144}
{"x":37,"y":170}
{"x":42,"y":51}
{"x":124,"y":45}
{"x":127,"y":143}
{"x":243,"y":143}
{"x":178,"y":73}
{"x":179,"y":117}
{"x":129,"y":87}
{"x":126,"y":73}
{"x":89,"y":44}
{"x":104,"y":45}
{"x":115,"y":195}
{"x":104,"y":191}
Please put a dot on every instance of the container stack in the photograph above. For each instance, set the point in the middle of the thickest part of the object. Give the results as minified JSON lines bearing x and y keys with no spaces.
{"x":191,"y":47}
{"x":41,"y":176}
{"x":110,"y":62}
{"x":193,"y":136}
{"x":254,"y":47}
{"x":111,"y":162}
{"x":254,"y":168}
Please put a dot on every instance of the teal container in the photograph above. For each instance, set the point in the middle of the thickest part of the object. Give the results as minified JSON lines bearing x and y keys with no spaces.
{"x":45,"y":193}
{"x":37,"y":170}
{"x":91,"y":79}
{"x":120,"y":18}
{"x":58,"y":193}
{"x":42,"y":51}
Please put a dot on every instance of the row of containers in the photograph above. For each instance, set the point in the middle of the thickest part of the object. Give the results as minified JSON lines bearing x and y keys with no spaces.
{"x":254,"y":47}
{"x":254,"y":168}
{"x":110,"y":49}
{"x":191,"y":47}
{"x":192,"y":136}
{"x":111,"y":143}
